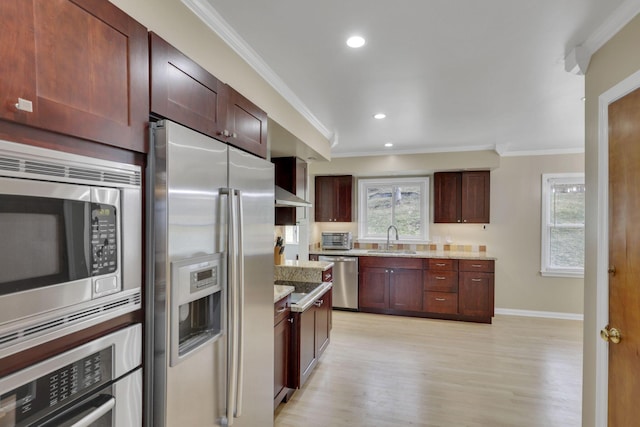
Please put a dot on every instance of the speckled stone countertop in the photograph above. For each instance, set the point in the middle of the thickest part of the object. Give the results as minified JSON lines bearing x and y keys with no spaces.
{"x":281,"y":291}
{"x":409,"y":254}
{"x":301,"y":271}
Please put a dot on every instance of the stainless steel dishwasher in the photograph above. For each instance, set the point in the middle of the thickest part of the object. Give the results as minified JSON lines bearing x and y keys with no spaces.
{"x":345,"y":281}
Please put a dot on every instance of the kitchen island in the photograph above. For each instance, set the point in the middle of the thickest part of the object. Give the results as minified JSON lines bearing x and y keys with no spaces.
{"x":302,"y":317}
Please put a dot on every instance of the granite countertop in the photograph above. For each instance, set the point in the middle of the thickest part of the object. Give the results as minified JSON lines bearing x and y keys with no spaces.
{"x":311,"y":265}
{"x":408,"y":254}
{"x":281,"y":291}
{"x":301,"y":271}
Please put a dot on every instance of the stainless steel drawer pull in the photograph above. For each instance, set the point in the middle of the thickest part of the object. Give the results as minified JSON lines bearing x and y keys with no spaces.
{"x":440,"y":278}
{"x":476,"y":265}
{"x":281,"y":310}
{"x":476,"y":280}
{"x":440,"y":299}
{"x":441,"y":265}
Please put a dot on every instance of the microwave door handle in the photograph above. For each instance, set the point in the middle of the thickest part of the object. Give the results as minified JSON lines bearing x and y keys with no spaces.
{"x":240,"y":307}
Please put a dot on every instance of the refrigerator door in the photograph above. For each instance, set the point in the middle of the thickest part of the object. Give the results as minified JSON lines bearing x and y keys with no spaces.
{"x":253,"y":178}
{"x":190,"y":221}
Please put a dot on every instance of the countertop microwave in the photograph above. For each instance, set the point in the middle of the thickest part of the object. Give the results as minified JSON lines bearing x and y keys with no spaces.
{"x":337,"y":240}
{"x":70,"y":253}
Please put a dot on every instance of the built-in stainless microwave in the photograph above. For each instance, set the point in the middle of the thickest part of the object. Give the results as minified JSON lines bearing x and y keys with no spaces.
{"x":70,"y":252}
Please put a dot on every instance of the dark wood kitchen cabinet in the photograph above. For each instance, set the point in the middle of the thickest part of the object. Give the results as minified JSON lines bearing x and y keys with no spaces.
{"x":476,"y":289}
{"x":389,"y":285}
{"x":311,"y":336}
{"x":440,"y":286}
{"x":282,"y":349}
{"x":333,"y":198}
{"x":291,"y":174}
{"x":75,"y":67}
{"x":185,"y":92}
{"x":461,"y":197}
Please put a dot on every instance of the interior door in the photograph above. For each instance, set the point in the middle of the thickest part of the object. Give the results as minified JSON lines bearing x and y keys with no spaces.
{"x":624,"y":259}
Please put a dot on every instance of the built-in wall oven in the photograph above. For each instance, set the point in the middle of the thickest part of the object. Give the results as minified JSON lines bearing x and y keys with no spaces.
{"x":97,"y":384}
{"x":70,"y":252}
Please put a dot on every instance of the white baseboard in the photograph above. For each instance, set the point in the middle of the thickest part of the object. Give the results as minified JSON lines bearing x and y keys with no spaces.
{"x":547,"y":314}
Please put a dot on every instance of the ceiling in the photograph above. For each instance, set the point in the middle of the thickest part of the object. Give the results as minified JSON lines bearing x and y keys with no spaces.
{"x":451,"y":75}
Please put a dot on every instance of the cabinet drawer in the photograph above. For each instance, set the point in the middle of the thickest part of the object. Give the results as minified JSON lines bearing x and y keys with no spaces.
{"x":390,"y":262}
{"x":441,"y":264}
{"x":475,"y":265}
{"x":441,"y":281}
{"x":281,"y":310}
{"x":441,"y":302}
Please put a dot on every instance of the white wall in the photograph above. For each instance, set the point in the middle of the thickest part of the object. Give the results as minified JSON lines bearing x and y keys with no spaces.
{"x":513,"y":236}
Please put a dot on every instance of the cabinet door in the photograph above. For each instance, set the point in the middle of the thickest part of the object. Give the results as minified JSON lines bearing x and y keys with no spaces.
{"x":324,"y":199}
{"x":447,"y":197}
{"x":323,"y":323}
{"x":282,"y":334}
{"x":184,"y":92}
{"x":475,"y":294}
{"x":80,"y":66}
{"x":374,"y":288}
{"x":343,"y":186}
{"x":246,"y":125}
{"x":307,"y":338}
{"x":405,"y":289}
{"x":475,"y":197}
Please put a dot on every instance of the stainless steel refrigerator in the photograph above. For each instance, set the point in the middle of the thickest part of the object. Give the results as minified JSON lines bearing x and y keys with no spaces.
{"x":211,"y":214}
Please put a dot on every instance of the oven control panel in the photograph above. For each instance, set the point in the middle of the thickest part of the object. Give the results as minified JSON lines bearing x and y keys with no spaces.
{"x":104,"y":231}
{"x":48,"y":392}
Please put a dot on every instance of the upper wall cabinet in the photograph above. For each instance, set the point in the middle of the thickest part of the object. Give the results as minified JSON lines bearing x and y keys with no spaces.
{"x":333,"y":196}
{"x":75,"y":67}
{"x":183,"y":91}
{"x":461,"y":197}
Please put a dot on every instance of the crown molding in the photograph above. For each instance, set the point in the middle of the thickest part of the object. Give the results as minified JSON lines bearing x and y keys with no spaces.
{"x":578,"y":58}
{"x":395,"y":152}
{"x":207,"y":14}
{"x":552,"y":152}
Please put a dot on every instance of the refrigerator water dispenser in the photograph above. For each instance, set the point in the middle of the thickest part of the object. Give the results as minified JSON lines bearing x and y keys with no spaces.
{"x":197,"y":304}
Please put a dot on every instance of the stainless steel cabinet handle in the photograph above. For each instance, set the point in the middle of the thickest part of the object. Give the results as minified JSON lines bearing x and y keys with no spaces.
{"x":440,"y":265}
{"x":440,"y":278}
{"x":290,"y":320}
{"x":281,"y":310}
{"x":24,"y":105}
{"x":476,"y":280}
{"x":440,"y":299}
{"x":476,"y":265}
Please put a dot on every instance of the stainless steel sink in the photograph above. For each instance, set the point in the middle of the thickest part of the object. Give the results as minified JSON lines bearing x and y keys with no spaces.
{"x":391,"y":251}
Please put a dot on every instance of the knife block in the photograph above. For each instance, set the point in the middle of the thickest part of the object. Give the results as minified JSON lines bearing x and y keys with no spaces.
{"x":278,"y":258}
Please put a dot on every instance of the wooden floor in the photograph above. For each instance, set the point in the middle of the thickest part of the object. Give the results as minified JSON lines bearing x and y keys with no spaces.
{"x":383,"y":371}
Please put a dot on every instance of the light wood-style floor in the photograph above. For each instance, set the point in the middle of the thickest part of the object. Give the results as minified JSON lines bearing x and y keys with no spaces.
{"x":381,"y":371}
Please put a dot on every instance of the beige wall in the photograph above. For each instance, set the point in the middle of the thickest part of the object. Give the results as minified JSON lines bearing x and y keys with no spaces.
{"x":513,"y":236}
{"x":175,"y":23}
{"x":615,"y":61}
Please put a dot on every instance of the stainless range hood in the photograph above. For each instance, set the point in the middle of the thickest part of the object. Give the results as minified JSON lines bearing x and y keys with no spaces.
{"x":285,"y":198}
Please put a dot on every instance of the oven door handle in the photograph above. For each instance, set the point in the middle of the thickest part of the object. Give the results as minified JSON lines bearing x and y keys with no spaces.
{"x":95,"y":415}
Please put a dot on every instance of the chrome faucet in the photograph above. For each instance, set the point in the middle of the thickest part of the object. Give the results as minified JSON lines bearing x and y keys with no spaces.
{"x":388,"y":230}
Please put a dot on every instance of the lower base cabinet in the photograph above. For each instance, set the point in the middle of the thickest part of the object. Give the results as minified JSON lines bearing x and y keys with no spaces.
{"x":310,"y":338}
{"x":454,"y":289}
{"x":282,"y":350}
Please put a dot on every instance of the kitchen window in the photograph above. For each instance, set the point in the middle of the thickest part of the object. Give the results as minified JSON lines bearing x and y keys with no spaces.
{"x":563,"y":225}
{"x":402,"y":202}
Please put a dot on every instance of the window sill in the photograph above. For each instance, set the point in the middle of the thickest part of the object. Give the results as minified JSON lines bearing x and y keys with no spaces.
{"x":566,"y":274}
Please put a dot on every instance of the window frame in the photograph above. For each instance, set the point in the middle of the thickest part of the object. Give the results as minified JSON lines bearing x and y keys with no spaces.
{"x":364,"y":183}
{"x":546,"y":269}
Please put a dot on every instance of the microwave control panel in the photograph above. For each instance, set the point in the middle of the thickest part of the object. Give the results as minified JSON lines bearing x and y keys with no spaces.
{"x":104,"y":235}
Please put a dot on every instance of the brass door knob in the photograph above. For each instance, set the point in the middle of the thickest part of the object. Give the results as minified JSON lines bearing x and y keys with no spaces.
{"x":611,"y":335}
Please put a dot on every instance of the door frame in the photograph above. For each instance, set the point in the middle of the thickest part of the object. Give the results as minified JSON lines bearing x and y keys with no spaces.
{"x":618,"y":91}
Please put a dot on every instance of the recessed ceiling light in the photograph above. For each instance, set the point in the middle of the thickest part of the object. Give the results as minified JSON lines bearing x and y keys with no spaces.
{"x":388,"y":144}
{"x":379,"y":116}
{"x":355,"y":41}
